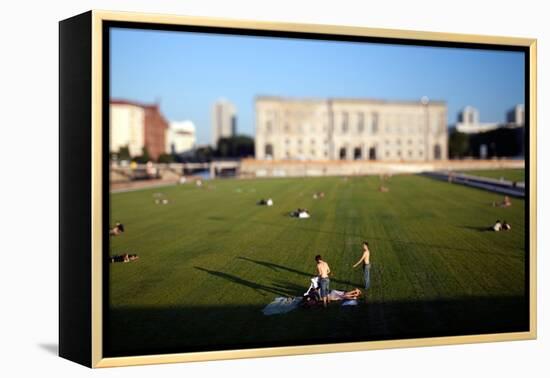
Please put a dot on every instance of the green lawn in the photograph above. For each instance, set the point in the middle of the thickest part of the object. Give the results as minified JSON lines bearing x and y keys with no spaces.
{"x":211,"y":259}
{"x":508,"y":174}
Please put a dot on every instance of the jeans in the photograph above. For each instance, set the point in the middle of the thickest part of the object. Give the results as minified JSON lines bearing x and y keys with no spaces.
{"x":366,"y":271}
{"x":323,"y":284}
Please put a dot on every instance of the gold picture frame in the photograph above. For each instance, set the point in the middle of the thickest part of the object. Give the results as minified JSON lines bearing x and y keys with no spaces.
{"x":91,"y":326}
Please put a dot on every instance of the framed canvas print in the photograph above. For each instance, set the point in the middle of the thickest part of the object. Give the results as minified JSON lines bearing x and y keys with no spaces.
{"x":234,"y":189}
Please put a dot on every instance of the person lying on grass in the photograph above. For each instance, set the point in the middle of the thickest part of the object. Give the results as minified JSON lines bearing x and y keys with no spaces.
{"x":300,"y":213}
{"x":265,"y":202}
{"x":117,"y":230}
{"x":124,"y":258}
{"x":506,"y":202}
{"x":341,"y":295}
{"x":313,"y":297}
{"x":497,"y":226}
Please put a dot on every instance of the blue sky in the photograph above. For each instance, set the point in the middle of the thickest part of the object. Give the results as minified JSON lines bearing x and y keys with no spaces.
{"x":188,"y":72}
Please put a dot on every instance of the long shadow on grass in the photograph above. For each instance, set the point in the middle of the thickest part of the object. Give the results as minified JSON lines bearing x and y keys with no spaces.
{"x":279,"y":288}
{"x":277,"y":267}
{"x":189,"y":328}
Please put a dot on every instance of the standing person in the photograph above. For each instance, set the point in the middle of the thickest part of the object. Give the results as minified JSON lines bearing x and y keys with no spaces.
{"x":365,"y":259}
{"x":323,"y":270}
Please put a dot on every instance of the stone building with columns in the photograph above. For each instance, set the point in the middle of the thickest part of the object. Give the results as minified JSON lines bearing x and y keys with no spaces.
{"x":350,"y":129}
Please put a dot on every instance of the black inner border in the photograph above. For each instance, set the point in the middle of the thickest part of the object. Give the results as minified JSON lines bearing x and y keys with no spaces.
{"x":107,"y":25}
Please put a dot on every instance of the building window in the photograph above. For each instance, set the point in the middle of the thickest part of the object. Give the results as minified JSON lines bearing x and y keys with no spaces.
{"x":357,"y":153}
{"x":375,"y":123}
{"x":387,"y":153}
{"x":372,"y":153}
{"x":343,"y":153}
{"x":268,"y":127}
{"x":360,"y":123}
{"x":300,"y":142}
{"x":399,"y":153}
{"x":345,"y":122}
{"x":437,"y":152}
{"x":410,"y":153}
{"x":287,"y":128}
{"x":268,"y":151}
{"x":313,"y":141}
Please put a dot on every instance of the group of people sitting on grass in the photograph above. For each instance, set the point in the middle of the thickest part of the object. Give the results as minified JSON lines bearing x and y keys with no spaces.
{"x":160,"y":199}
{"x":318,"y":195}
{"x":117,"y":230}
{"x":501,"y":226}
{"x":319,"y":294}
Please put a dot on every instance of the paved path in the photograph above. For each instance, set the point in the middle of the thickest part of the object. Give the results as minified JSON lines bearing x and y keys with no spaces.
{"x":510,"y":188}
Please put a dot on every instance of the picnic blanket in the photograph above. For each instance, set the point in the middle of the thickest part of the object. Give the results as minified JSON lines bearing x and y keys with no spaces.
{"x":350,"y":302}
{"x":282,"y":305}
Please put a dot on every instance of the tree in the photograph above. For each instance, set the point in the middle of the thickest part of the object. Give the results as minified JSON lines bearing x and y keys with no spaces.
{"x":459,"y":144}
{"x":144,"y":157}
{"x":166,"y":158}
{"x":204,"y":154}
{"x":500,"y":142}
{"x":238,"y":146}
{"x":124,"y":153}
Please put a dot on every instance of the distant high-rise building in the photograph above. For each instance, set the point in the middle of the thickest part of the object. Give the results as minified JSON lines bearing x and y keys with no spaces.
{"x":516,"y":116}
{"x":468,"y":122}
{"x":469,"y":115}
{"x":224,"y":120}
{"x":180,"y":137}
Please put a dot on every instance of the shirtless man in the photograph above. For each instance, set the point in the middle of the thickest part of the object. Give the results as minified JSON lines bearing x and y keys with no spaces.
{"x":365,"y":259}
{"x":323,"y":270}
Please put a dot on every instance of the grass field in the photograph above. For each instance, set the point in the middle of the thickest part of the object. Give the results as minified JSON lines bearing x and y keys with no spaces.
{"x":211,"y":259}
{"x":508,"y":174}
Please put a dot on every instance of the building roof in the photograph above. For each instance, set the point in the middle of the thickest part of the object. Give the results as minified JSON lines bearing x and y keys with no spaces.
{"x":344,"y":99}
{"x":134,"y":103}
{"x":183,"y":126}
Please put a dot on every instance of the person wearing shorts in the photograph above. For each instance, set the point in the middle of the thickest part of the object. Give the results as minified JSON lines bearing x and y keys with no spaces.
{"x":324,"y":282}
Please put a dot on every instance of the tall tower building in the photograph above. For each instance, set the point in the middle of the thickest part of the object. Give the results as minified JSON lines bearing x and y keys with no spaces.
{"x":224,"y":120}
